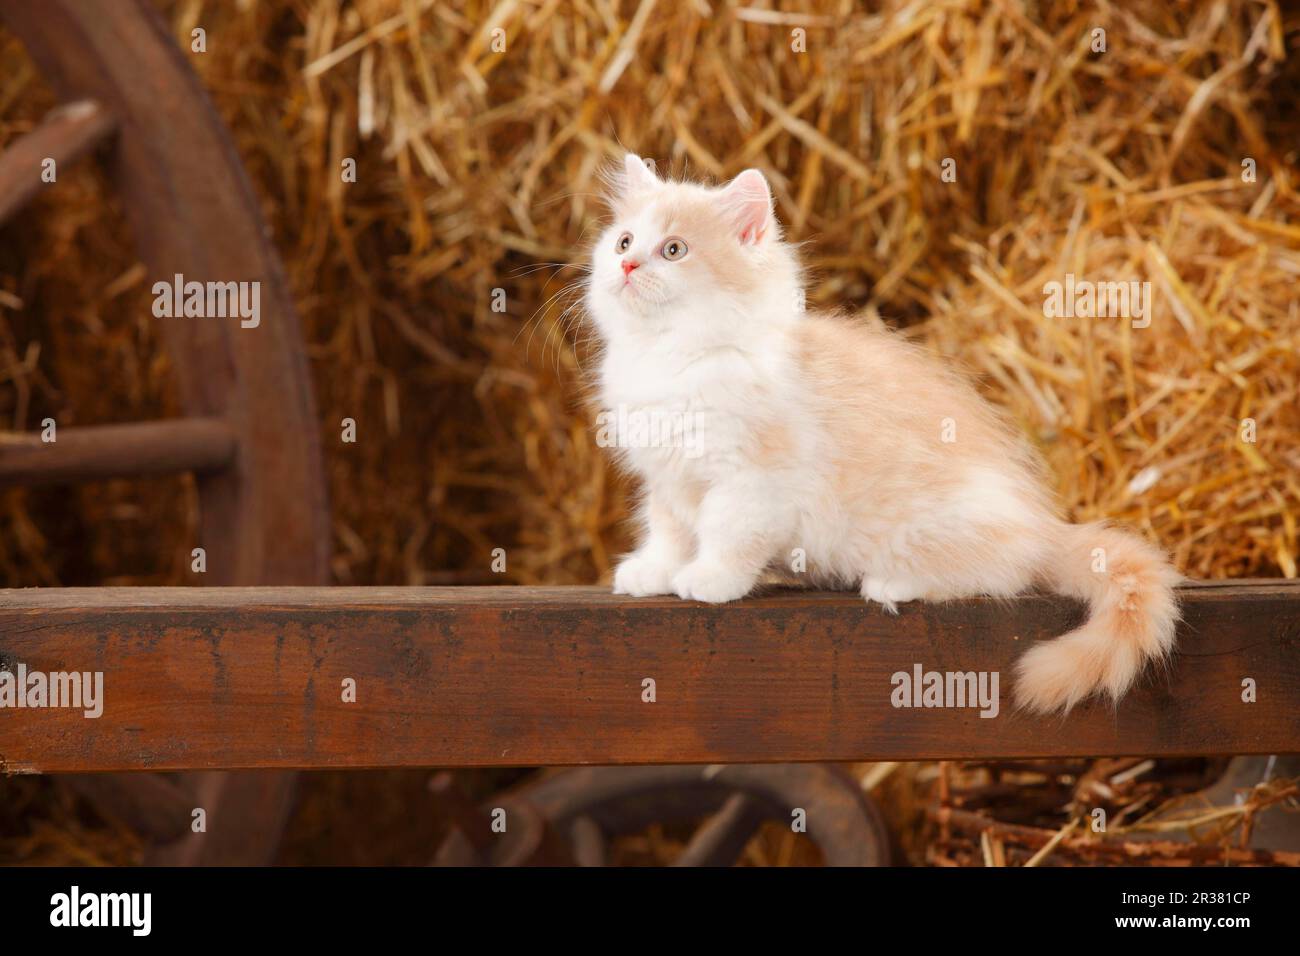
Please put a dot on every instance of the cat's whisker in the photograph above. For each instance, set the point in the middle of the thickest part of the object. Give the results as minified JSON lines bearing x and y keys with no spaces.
{"x":539,"y":266}
{"x":538,"y":314}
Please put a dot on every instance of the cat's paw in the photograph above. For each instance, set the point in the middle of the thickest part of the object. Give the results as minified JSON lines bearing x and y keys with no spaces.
{"x":712,"y":582}
{"x":890,"y":592}
{"x":642,"y":576}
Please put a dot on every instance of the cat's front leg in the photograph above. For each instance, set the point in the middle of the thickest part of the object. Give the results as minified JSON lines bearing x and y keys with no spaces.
{"x":738,"y":527}
{"x":664,"y":550}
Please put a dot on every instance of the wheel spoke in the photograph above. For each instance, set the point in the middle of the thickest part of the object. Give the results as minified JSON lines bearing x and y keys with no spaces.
{"x":247,"y":812}
{"x":117,"y":451}
{"x":65,"y":135}
{"x":723,"y":836}
{"x":588,"y":842}
{"x":461,"y":813}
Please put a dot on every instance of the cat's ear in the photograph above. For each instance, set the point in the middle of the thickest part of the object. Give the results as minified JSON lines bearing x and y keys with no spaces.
{"x":637,"y":174}
{"x":748,"y":202}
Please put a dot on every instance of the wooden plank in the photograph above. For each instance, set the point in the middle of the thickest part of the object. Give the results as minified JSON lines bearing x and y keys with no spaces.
{"x":96,"y":452}
{"x":252,"y":678}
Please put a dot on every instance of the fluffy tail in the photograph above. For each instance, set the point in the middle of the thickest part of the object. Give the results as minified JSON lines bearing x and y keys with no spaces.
{"x":1129,"y":586}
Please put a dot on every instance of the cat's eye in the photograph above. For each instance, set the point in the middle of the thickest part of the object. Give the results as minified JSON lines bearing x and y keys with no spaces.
{"x":624,"y":242}
{"x":673,"y":249}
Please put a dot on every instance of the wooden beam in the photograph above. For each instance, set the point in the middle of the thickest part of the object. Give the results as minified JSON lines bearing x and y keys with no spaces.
{"x":96,"y":452}
{"x":199,"y":678}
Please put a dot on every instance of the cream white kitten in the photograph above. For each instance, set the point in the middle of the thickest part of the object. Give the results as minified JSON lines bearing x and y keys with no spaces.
{"x":761,"y":432}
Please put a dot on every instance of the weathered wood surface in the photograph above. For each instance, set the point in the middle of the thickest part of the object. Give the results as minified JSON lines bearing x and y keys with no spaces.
{"x":252,"y":677}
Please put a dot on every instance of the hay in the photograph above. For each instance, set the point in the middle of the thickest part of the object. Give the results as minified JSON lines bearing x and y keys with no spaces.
{"x":477,"y":172}
{"x":477,"y":167}
{"x":1038,"y":813}
{"x":1125,"y":164}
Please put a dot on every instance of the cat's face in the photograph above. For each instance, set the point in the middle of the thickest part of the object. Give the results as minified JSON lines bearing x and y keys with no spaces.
{"x":677,"y":251}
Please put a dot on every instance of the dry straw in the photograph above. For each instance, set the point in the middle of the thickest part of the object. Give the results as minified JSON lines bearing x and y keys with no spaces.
{"x":488,"y":126}
{"x":478,"y":129}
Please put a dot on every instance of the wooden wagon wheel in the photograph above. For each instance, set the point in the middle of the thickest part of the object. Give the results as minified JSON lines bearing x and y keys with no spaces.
{"x":570,"y":816}
{"x":250,"y":431}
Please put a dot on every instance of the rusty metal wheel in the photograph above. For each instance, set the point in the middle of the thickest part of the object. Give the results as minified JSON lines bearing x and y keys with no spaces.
{"x":250,"y":431}
{"x":570,"y":816}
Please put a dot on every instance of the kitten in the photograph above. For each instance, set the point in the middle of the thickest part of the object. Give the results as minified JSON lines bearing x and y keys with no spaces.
{"x":758,"y":429}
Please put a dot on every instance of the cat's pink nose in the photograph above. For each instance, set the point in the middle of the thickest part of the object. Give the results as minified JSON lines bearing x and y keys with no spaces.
{"x":628,"y":266}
